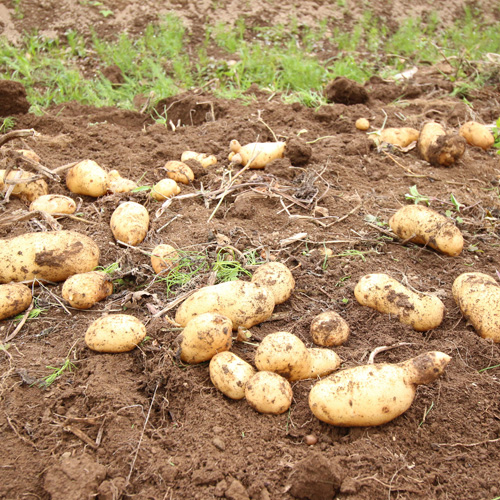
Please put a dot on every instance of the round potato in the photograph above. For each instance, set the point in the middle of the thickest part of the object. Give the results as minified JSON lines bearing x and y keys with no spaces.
{"x":329,"y":329}
{"x":278,"y":278}
{"x":323,"y":362}
{"x":163,"y":258}
{"x":179,"y":172}
{"x":130,"y":222}
{"x":268,"y":392}
{"x":84,"y":290}
{"x":54,"y":204}
{"x":26,"y":191}
{"x":439,"y":148}
{"x":362,"y":124}
{"x":477,"y":134}
{"x":87,"y":178}
{"x":118,"y":184}
{"x":164,"y":189}
{"x":14,"y":299}
{"x":229,"y":373}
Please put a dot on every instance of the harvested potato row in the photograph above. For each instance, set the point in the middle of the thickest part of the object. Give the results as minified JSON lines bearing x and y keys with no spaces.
{"x":87,"y":178}
{"x":229,"y":374}
{"x":130,"y":222}
{"x":278,"y":278}
{"x":26,"y":191}
{"x":329,"y":329}
{"x":14,"y":299}
{"x":82,"y":291}
{"x":268,"y":392}
{"x":477,"y":134}
{"x":439,"y":148}
{"x":256,"y":154}
{"x":54,"y":204}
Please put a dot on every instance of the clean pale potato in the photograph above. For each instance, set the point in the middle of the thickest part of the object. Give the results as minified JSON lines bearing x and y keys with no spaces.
{"x":118,"y":184}
{"x":323,"y":362}
{"x":204,"y":159}
{"x":478,"y":297}
{"x":130,"y":222}
{"x":329,"y":329}
{"x":401,"y":137}
{"x":268,"y":392}
{"x":87,"y":178}
{"x":164,"y":189}
{"x":179,"y":172}
{"x":278,"y":278}
{"x":115,"y":333}
{"x":425,"y":226}
{"x":54,"y":204}
{"x":204,"y":336}
{"x":229,"y":373}
{"x":375,"y":394}
{"x":163,"y":258}
{"x":477,"y":134}
{"x":47,"y":256}
{"x":439,"y":148}
{"x":386,"y":295}
{"x":26,"y":191}
{"x":362,"y":124}
{"x":84,"y":290}
{"x":14,"y":299}
{"x":256,"y":154}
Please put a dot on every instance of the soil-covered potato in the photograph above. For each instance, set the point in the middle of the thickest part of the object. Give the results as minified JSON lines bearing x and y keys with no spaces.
{"x":83,"y":290}
{"x":166,"y":188}
{"x":439,"y":148}
{"x":130,"y":222}
{"x":14,"y":299}
{"x":268,"y":392}
{"x":163,"y":258}
{"x":204,"y":159}
{"x":54,"y":204}
{"x":477,"y":134}
{"x":87,"y":178}
{"x":401,"y":137}
{"x":278,"y":278}
{"x":329,"y":329}
{"x":26,"y":191}
{"x":256,"y":154}
{"x":179,"y":172}
{"x":323,"y":362}
{"x":229,"y":373}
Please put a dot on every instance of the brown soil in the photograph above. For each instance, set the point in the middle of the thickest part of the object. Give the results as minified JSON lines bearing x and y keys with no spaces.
{"x":141,"y":425}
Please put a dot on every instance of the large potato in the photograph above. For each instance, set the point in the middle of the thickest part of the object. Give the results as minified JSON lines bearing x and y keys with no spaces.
{"x":54,"y":204}
{"x":14,"y":299}
{"x":278,"y":278}
{"x":179,"y":172}
{"x":386,"y":295}
{"x":373,"y":394}
{"x":439,"y":148}
{"x":329,"y":329}
{"x":256,"y":154}
{"x":478,"y":296}
{"x":49,"y":256}
{"x":477,"y":134}
{"x":268,"y":392}
{"x":323,"y":362}
{"x":423,"y":225}
{"x":229,"y":373}
{"x":130,"y":222}
{"x":29,"y":191}
{"x":87,"y":178}
{"x":84,"y":290}
{"x":245,"y":304}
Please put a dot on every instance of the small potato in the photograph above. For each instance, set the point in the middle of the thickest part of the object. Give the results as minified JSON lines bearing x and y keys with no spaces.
{"x":84,"y":290}
{"x":439,"y":148}
{"x":179,"y":172}
{"x":425,"y":226}
{"x":118,"y":184}
{"x":477,"y":134}
{"x":54,"y":204}
{"x":87,"y":178}
{"x":115,"y":333}
{"x":204,"y":159}
{"x":256,"y":154}
{"x":329,"y":329}
{"x":386,"y":295}
{"x":28,"y":153}
{"x":362,"y":124}
{"x":164,"y":189}
{"x":229,"y":373}
{"x":323,"y":362}
{"x":14,"y":299}
{"x":401,"y":137}
{"x":478,"y":296}
{"x":278,"y":278}
{"x":26,"y":191}
{"x":268,"y":392}
{"x":204,"y":336}
{"x":373,"y":394}
{"x":163,"y":258}
{"x":130,"y":222}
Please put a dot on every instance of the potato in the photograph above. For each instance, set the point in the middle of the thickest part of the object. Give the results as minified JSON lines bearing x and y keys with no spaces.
{"x":54,"y":204}
{"x":373,"y":394}
{"x":362,"y":124}
{"x":28,"y":153}
{"x":14,"y":299}
{"x":179,"y":172}
{"x":258,"y":154}
{"x":323,"y":362}
{"x":87,"y":178}
{"x":115,"y":333}
{"x":163,"y":258}
{"x":118,"y":184}
{"x":329,"y":329}
{"x":229,"y":373}
{"x":401,"y":137}
{"x":478,"y":297}
{"x":477,"y":134}
{"x":386,"y":295}
{"x":439,"y":148}
{"x":84,"y":290}
{"x":278,"y":278}
{"x":47,"y":256}
{"x":204,"y":336}
{"x":204,"y":159}
{"x":425,"y":226}
{"x":164,"y":189}
{"x":245,"y":304}
{"x":130,"y":222}
{"x":25,"y":191}
{"x":284,"y":353}
{"x":268,"y":392}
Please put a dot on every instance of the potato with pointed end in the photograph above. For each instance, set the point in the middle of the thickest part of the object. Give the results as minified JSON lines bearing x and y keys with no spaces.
{"x":118,"y":184}
{"x":165,"y":189}
{"x":439,"y":148}
{"x":477,"y":134}
{"x":401,"y":137}
{"x":229,"y":373}
{"x":268,"y":392}
{"x":256,"y":154}
{"x":204,"y":159}
{"x":425,"y":226}
{"x":87,"y":178}
{"x":54,"y":204}
{"x":375,"y":394}
{"x":26,"y":191}
{"x":14,"y":299}
{"x":278,"y":278}
{"x":82,"y":291}
{"x":478,"y":297}
{"x":130,"y":222}
{"x":323,"y":362}
{"x":163,"y":258}
{"x":179,"y":172}
{"x":386,"y":295}
{"x":329,"y":329}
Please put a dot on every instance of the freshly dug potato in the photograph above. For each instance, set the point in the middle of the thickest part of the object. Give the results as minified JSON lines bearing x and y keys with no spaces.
{"x":245,"y":304}
{"x":229,"y":373}
{"x":115,"y":333}
{"x":375,"y":394}
{"x":87,"y":178}
{"x":323,"y":362}
{"x":84,"y":290}
{"x":329,"y":329}
{"x":204,"y":159}
{"x":29,"y":191}
{"x":278,"y":278}
{"x":179,"y":172}
{"x":258,"y":154}
{"x":362,"y":124}
{"x":163,"y":258}
{"x":478,"y":296}
{"x":268,"y":392}
{"x":204,"y":336}
{"x":425,"y":226}
{"x":439,"y":148}
{"x":284,"y":353}
{"x":130,"y":222}
{"x":164,"y":189}
{"x":54,"y":204}
{"x":118,"y":184}
{"x":14,"y":299}
{"x":386,"y":295}
{"x":49,"y":256}
{"x":401,"y":137}
{"x":28,"y":153}
{"x":477,"y":134}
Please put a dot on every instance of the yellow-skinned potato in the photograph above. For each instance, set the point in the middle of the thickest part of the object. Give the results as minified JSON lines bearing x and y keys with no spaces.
{"x":115,"y":333}
{"x":87,"y":178}
{"x":375,"y":394}
{"x":425,"y":226}
{"x":163,"y":258}
{"x":245,"y":304}
{"x":323,"y":362}
{"x":478,"y":296}
{"x":179,"y":172}
{"x":258,"y":154}
{"x":14,"y":299}
{"x":229,"y":373}
{"x":329,"y":329}
{"x":204,"y":159}
{"x":84,"y":290}
{"x":439,"y":148}
{"x":25,"y":191}
{"x":118,"y":184}
{"x":477,"y":134}
{"x":268,"y":392}
{"x":54,"y":204}
{"x":47,"y":256}
{"x":164,"y":189}
{"x":278,"y":278}
{"x":386,"y":295}
{"x":204,"y":336}
{"x":28,"y":153}
{"x":401,"y":137}
{"x":362,"y":124}
{"x":130,"y":222}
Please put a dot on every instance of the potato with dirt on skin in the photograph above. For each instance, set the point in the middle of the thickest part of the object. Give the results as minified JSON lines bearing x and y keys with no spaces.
{"x":118,"y":184}
{"x":87,"y":178}
{"x":26,"y":191}
{"x":386,"y":295}
{"x":425,"y":226}
{"x":82,"y":291}
{"x":401,"y":137}
{"x":268,"y":392}
{"x":438,"y":147}
{"x":179,"y":172}
{"x":323,"y":362}
{"x":229,"y":374}
{"x":204,"y":159}
{"x":255,"y":155}
{"x":54,"y":204}
{"x":163,"y":258}
{"x":373,"y":394}
{"x":278,"y":278}
{"x":477,"y":134}
{"x":329,"y":329}
{"x":164,"y":189}
{"x":14,"y":299}
{"x":130,"y":222}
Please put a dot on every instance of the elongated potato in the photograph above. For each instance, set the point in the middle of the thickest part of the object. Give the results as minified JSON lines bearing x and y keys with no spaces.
{"x":375,"y":394}
{"x":386,"y":295}
{"x":204,"y":159}
{"x":28,"y":153}
{"x":130,"y":222}
{"x":54,"y":204}
{"x":477,"y":134}
{"x":87,"y":178}
{"x":425,"y":226}
{"x":278,"y":278}
{"x":258,"y":154}
{"x":49,"y":256}
{"x":245,"y":304}
{"x":179,"y":172}
{"x":439,"y":148}
{"x":26,"y":191}
{"x":14,"y":299}
{"x":118,"y":184}
{"x":229,"y":373}
{"x":166,"y":188}
{"x":323,"y":362}
{"x":401,"y":137}
{"x":163,"y":258}
{"x":84,"y":290}
{"x":329,"y":329}
{"x":268,"y":392}
{"x":478,"y":297}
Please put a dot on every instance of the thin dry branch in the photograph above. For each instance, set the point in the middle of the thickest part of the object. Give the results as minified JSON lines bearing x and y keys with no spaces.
{"x":16,"y":134}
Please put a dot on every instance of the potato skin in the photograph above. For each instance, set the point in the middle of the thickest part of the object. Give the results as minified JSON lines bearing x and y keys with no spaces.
{"x":329,"y":329}
{"x":401,"y":137}
{"x":268,"y":392}
{"x":118,"y":184}
{"x":87,"y":178}
{"x":84,"y":290}
{"x":166,"y":188}
{"x":14,"y":299}
{"x":49,"y":256}
{"x":25,"y":191}
{"x":386,"y":295}
{"x":439,"y":148}
{"x":429,"y":227}
{"x":179,"y":172}
{"x":54,"y":204}
{"x":477,"y":134}
{"x":130,"y":222}
{"x":278,"y":278}
{"x":362,"y":124}
{"x":229,"y":373}
{"x":323,"y":362}
{"x":261,"y":152}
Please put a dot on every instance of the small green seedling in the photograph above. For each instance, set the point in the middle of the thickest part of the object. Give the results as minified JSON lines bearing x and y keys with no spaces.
{"x":7,"y":124}
{"x":57,"y":371}
{"x":416,"y":197}
{"x":227,"y":270}
{"x":489,"y":368}
{"x":427,"y":411}
{"x":496,"y":135}
{"x":374,"y":219}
